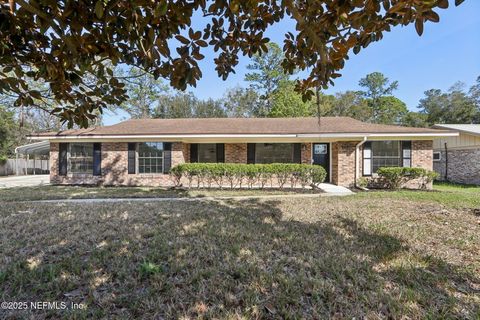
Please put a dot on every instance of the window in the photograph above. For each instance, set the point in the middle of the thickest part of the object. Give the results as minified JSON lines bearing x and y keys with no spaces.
{"x":150,"y":157}
{"x":320,"y":148}
{"x":377,"y":154}
{"x":385,"y":154}
{"x":207,"y":152}
{"x":367,"y":159}
{"x":406,"y":153}
{"x":274,"y":153}
{"x":80,"y":158}
{"x":437,"y":156}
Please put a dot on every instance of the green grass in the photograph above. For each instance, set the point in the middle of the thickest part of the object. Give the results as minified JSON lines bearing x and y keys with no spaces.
{"x":447,"y":194}
{"x":373,"y":255}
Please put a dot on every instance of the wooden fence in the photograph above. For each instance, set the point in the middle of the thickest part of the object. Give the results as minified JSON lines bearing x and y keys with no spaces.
{"x":33,"y":166}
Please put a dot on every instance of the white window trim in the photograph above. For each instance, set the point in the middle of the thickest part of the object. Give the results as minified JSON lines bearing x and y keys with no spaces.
{"x":439,"y":156}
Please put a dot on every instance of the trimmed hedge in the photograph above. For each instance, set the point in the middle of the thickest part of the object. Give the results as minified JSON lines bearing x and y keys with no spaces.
{"x":237,"y":175}
{"x":396,"y":177}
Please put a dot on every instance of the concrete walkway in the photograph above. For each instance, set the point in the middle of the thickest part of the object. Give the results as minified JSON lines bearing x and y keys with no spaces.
{"x":332,"y":189}
{"x":24,"y":181}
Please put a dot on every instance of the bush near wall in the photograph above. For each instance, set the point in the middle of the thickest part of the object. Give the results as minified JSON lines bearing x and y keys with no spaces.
{"x":397,"y":177}
{"x":247,"y":175}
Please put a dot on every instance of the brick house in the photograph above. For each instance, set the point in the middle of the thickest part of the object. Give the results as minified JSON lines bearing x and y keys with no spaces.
{"x":141,"y":152}
{"x":457,"y":159}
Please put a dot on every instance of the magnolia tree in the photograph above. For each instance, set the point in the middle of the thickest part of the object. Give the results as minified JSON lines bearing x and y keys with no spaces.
{"x":66,"y":44}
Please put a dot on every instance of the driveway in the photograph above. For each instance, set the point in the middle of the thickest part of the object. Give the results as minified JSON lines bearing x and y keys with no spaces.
{"x":24,"y":181}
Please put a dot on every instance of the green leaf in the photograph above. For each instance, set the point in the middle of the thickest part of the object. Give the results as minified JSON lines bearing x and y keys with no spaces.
{"x":163,"y":8}
{"x":99,"y":9}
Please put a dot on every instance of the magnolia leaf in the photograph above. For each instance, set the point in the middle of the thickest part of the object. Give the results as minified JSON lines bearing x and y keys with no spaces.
{"x":99,"y":9}
{"x":182,"y":39}
{"x":443,"y":4}
{"x":139,"y":33}
{"x":419,"y":26}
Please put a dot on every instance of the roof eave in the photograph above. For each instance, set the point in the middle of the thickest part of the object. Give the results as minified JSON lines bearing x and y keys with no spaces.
{"x":456,"y":129}
{"x":247,"y":136}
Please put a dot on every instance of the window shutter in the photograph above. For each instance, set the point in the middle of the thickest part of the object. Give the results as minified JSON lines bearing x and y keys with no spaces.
{"x":97,"y":159}
{"x":62,"y":159}
{"x":367,"y":159}
{"x":406,"y":153}
{"x":251,"y":153}
{"x":193,"y":152}
{"x":132,"y":153}
{"x":220,"y":152}
{"x":297,"y":153}
{"x":167,"y":157}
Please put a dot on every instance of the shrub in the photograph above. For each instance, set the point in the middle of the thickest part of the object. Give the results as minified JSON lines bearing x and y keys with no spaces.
{"x":428,"y":178}
{"x":176,"y":173}
{"x":362,"y":182}
{"x":396,"y":177}
{"x":233,"y":174}
{"x":3,"y":160}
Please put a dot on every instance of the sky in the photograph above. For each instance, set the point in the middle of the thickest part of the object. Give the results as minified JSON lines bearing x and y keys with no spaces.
{"x":447,"y":52}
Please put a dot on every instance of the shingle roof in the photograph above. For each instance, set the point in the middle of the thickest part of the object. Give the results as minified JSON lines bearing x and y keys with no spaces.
{"x":324,"y":125}
{"x":467,"y":128}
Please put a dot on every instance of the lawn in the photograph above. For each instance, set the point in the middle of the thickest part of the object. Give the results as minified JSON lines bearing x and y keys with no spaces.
{"x":448,"y":195}
{"x":372,"y":255}
{"x":91,"y":192}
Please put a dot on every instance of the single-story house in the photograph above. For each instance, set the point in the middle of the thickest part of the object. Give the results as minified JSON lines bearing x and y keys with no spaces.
{"x":141,"y":152}
{"x":457,"y":159}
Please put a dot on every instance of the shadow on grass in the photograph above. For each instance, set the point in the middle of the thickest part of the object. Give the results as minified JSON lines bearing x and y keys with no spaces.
{"x":218,"y":260}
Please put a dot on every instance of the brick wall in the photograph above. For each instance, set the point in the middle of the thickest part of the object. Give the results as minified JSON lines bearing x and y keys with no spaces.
{"x":343,"y":163}
{"x":235,"y":152}
{"x":114,"y":163}
{"x":114,"y":168}
{"x":422,"y":157}
{"x":422,"y":154}
{"x":463,"y":165}
{"x":186,"y":151}
{"x":306,"y":153}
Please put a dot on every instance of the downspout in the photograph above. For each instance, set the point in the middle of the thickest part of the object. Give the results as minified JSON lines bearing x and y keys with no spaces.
{"x":446,"y":162}
{"x":357,"y":158}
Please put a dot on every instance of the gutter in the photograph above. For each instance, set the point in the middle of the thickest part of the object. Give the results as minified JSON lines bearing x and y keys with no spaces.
{"x":186,"y":136}
{"x":357,"y":158}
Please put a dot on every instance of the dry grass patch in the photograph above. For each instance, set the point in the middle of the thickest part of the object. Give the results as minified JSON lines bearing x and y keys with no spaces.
{"x":287,"y":258}
{"x":92,"y":192}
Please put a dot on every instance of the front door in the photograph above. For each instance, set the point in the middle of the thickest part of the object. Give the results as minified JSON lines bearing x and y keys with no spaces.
{"x":321,"y":156}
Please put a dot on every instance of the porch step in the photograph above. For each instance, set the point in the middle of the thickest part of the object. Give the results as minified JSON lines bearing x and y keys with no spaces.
{"x":333,"y":189}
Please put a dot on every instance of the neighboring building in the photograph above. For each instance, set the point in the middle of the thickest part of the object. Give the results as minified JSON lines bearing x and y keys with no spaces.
{"x":457,"y":159}
{"x":141,"y":152}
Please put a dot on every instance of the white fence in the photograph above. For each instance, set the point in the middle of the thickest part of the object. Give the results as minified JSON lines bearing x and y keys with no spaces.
{"x":37,"y":166}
